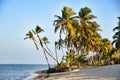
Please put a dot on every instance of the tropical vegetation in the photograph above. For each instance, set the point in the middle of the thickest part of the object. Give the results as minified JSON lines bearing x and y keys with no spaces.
{"x":80,"y":41}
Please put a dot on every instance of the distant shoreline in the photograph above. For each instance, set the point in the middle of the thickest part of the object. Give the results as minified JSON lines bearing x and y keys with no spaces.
{"x":111,"y":72}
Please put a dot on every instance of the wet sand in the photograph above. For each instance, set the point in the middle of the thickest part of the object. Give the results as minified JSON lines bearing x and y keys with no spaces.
{"x":111,"y":72}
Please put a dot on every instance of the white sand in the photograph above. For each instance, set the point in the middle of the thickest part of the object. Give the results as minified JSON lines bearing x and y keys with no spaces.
{"x":111,"y":72}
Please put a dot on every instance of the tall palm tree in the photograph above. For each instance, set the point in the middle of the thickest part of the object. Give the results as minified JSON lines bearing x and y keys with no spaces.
{"x":85,"y":15}
{"x":87,"y":29}
{"x":29,"y":35}
{"x":65,"y":23}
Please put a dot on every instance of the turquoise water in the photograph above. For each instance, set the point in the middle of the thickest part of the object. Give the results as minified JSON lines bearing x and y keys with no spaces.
{"x":19,"y":71}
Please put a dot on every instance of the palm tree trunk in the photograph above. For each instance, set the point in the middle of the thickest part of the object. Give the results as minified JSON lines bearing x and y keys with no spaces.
{"x":50,"y":53}
{"x":56,"y":53}
{"x":35,"y":45}
{"x":47,"y":59}
{"x":40,"y":40}
{"x":51,"y":56}
{"x":100,"y":57}
{"x":63,"y":52}
{"x":44,"y":51}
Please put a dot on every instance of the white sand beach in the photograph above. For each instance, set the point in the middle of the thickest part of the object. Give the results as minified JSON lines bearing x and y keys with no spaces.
{"x":111,"y":72}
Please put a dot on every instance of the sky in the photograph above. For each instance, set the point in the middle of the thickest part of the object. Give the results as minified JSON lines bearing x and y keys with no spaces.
{"x":17,"y":17}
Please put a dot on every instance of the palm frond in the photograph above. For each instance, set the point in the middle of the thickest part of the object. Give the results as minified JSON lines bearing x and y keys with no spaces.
{"x":56,"y":28}
{"x":57,"y":16}
{"x":33,"y":31}
{"x":38,"y":29}
{"x":26,"y":38}
{"x":90,"y":17}
{"x":116,"y":28}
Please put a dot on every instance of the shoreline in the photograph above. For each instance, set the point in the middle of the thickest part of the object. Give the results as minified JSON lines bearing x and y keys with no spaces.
{"x":111,"y":72}
{"x":31,"y":76}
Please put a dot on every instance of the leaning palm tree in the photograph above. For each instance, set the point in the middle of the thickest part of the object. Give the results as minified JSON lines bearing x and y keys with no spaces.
{"x":37,"y":31}
{"x":56,"y":50}
{"x":45,"y":41}
{"x":29,"y":35}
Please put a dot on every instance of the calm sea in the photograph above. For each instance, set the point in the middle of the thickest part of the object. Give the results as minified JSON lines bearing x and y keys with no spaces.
{"x":19,"y":71}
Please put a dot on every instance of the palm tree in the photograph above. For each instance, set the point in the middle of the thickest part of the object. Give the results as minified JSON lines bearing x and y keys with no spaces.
{"x":45,"y":40}
{"x":87,"y":30}
{"x":106,"y":47}
{"x":81,"y":32}
{"x":70,"y":58}
{"x":59,"y":45}
{"x":29,"y":35}
{"x":56,"y":50}
{"x":37,"y":31}
{"x":116,"y":36}
{"x":64,"y":23}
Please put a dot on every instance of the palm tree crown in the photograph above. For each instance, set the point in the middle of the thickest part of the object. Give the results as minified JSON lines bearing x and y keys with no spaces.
{"x":30,"y":35}
{"x":64,"y":23}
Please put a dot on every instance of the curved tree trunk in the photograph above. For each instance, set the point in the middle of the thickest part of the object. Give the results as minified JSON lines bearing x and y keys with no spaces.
{"x":51,"y":53}
{"x":56,"y":53}
{"x":44,"y":51}
{"x":46,"y":59}
{"x":35,"y":45}
{"x":51,"y":56}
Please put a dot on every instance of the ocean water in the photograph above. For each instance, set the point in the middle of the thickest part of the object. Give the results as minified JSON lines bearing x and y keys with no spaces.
{"x":19,"y":71}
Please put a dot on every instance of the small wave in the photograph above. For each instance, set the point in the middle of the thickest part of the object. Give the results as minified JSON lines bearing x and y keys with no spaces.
{"x":31,"y":76}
